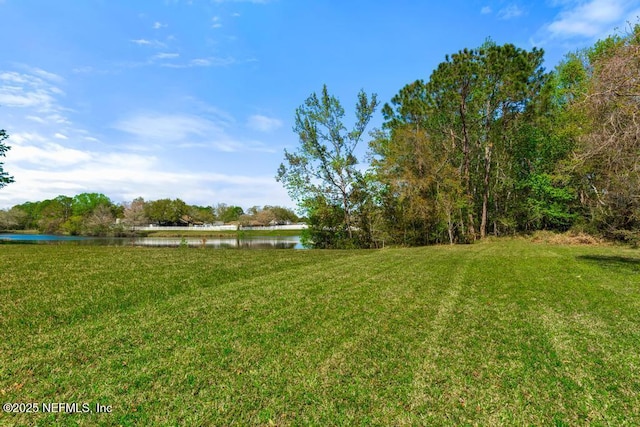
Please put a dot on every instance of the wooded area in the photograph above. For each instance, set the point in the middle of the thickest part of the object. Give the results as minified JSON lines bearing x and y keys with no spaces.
{"x":94,"y":214}
{"x":491,"y":143}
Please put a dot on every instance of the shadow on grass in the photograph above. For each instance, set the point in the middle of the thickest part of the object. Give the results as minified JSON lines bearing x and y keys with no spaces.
{"x":612,"y":261}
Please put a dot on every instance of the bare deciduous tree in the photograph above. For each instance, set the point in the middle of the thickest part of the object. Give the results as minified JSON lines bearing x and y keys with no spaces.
{"x":608,"y":155}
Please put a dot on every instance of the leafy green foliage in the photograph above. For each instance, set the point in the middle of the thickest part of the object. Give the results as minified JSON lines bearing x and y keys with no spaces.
{"x":85,"y":203}
{"x":201,"y":214}
{"x":548,"y":203}
{"x":491,"y":141}
{"x":227,"y":213}
{"x":5,"y":178}
{"x":326,"y":228}
{"x":448,"y":156}
{"x":86,"y":214}
{"x":268,"y":215}
{"x":94,"y":214}
{"x":606,"y":161}
{"x":12,"y":219}
{"x":165,"y":211}
{"x":322,"y":173}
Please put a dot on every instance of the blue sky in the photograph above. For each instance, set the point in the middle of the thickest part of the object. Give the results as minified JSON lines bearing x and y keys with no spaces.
{"x":196,"y":99}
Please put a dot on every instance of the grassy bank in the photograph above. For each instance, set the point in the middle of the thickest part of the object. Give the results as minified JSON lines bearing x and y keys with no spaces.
{"x":20,"y":231}
{"x":498,"y":333}
{"x":223,"y":233}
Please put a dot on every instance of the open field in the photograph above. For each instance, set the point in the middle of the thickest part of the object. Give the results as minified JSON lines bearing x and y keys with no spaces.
{"x":498,"y":333}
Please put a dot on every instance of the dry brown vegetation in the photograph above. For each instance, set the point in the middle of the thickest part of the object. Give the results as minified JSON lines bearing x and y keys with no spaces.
{"x":567,"y":238}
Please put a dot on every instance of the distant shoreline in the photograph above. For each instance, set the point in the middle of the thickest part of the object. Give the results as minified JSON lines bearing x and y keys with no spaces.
{"x":191,"y":232}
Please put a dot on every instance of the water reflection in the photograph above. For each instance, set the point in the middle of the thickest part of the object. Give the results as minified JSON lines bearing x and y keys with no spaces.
{"x":289,"y":242}
{"x":36,"y":238}
{"x":271,"y":242}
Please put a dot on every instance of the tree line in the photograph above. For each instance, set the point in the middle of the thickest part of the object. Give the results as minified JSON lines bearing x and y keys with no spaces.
{"x":490,"y":144}
{"x":94,"y":214}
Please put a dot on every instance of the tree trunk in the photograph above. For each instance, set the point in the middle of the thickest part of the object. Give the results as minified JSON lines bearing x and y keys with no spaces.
{"x":465,"y":169}
{"x":450,"y":226}
{"x":347,"y":213}
{"x":485,"y":190}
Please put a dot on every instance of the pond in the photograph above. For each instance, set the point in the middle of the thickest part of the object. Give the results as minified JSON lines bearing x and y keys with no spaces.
{"x":253,"y":242}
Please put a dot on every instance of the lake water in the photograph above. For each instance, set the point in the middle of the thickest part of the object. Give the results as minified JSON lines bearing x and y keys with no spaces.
{"x":271,"y":242}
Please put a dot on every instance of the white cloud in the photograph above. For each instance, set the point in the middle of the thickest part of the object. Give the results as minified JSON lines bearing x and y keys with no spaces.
{"x":263,"y":123}
{"x":591,"y":19}
{"x":15,"y":97}
{"x":34,"y":149}
{"x":157,"y":25}
{"x":50,"y":155}
{"x":211,"y":61}
{"x":45,"y":74}
{"x":141,"y":41}
{"x":485,"y":10}
{"x":510,"y":12}
{"x":151,"y":43}
{"x":124,"y":176}
{"x":26,"y":137}
{"x":29,"y":91}
{"x":160,"y":59}
{"x":221,"y":117}
{"x":166,"y":127}
{"x":35,"y":119}
{"x":201,"y":62}
{"x":156,"y":131}
{"x":166,"y":55}
{"x":58,"y":119}
{"x":44,"y":169}
{"x":216,"y":22}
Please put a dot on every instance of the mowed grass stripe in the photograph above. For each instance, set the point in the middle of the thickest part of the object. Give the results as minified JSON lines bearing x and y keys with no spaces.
{"x":320,"y":277}
{"x":497,"y":345}
{"x":423,"y":386}
{"x":593,"y":330}
{"x":58,"y":285}
{"x":314,"y":281}
{"x":441,"y":336}
{"x":481,"y":369}
{"x":171,"y":312}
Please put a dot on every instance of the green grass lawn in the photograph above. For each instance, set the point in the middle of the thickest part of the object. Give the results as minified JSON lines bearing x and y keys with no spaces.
{"x":498,"y":333}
